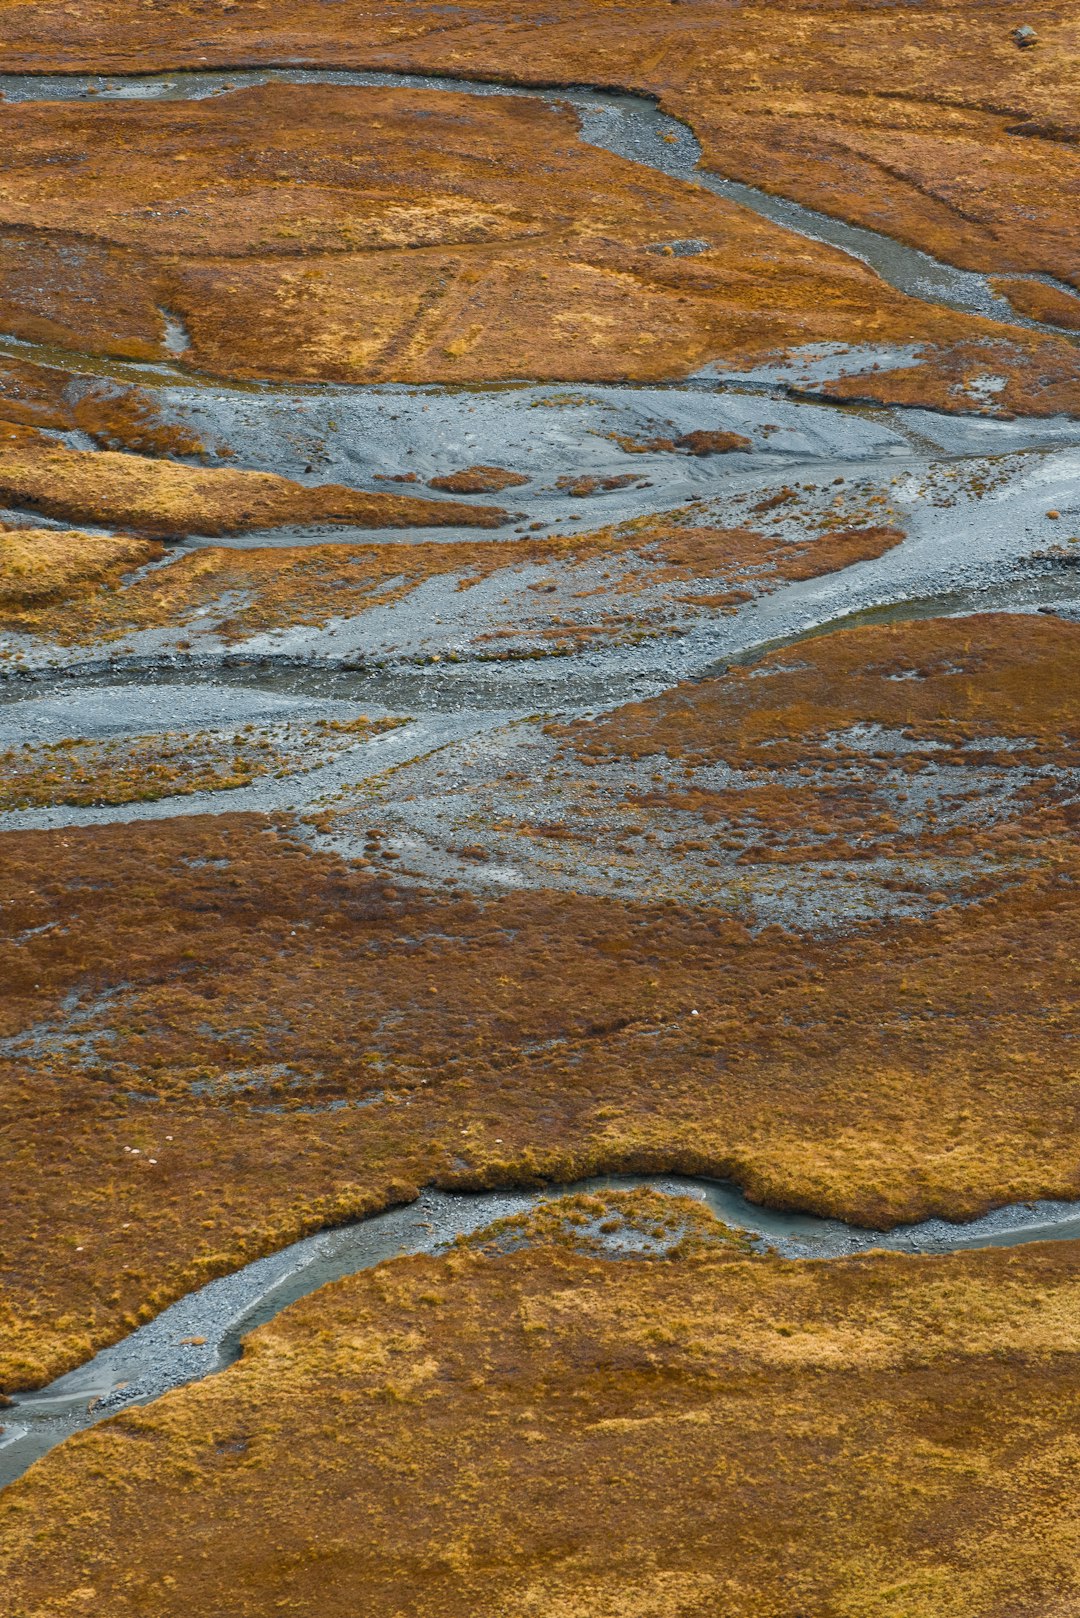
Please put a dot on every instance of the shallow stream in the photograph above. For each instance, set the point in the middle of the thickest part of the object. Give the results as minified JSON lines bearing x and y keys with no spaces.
{"x":440,"y":428}
{"x":203,"y":1332}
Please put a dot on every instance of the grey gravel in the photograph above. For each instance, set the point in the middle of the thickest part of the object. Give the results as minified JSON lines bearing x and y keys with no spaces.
{"x":965,"y":551}
{"x":155,"y":1358}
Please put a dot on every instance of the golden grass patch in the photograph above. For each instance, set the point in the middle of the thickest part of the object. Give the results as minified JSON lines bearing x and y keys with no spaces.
{"x":546,"y":1432}
{"x":163,"y":497}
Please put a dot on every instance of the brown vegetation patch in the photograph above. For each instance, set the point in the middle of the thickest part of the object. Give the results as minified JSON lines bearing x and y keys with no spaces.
{"x":640,"y":1223}
{"x":281,"y":586}
{"x":116,"y":415}
{"x":948,"y":682}
{"x":294,"y":1041}
{"x":479,"y":480}
{"x":840,"y":781}
{"x":369,"y":234}
{"x":138,"y":769}
{"x":544,"y":1432}
{"x":42,"y":569}
{"x":915,"y":144}
{"x":941,"y":740}
{"x":581,"y":487}
{"x":643,"y":446}
{"x":702,"y":442}
{"x":1040,"y":302}
{"x":699,"y":442}
{"x":167,"y":497}
{"x":700,"y":551}
{"x":128,"y":419}
{"x":968,"y":378}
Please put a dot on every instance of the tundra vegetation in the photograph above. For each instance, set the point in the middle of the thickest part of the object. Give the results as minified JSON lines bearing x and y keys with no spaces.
{"x":732,"y":833}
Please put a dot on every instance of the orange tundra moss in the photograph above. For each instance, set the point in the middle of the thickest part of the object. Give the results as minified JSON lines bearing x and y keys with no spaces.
{"x":116,"y":414}
{"x":371,"y":234}
{"x":139,"y":769}
{"x":591,"y":1222}
{"x":549,"y":1433}
{"x":961,"y":375}
{"x":479,"y":480}
{"x":834,"y":737}
{"x":925,"y":121}
{"x":42,"y":569}
{"x":167,"y":497}
{"x":943,"y":680}
{"x":275,"y":587}
{"x":1041,"y":302}
{"x":211,"y":992}
{"x":128,"y":419}
{"x":700,"y":550}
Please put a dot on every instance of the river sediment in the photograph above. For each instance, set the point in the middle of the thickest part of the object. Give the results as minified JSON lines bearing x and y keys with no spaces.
{"x":617,"y":687}
{"x":203,"y":1333}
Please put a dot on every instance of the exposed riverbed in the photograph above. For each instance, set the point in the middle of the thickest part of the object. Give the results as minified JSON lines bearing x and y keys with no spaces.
{"x":163,"y":1355}
{"x":964,"y":552}
{"x":967,"y":544}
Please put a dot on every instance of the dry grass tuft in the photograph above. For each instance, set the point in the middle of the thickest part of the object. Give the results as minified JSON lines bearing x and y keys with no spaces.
{"x":545,"y":1432}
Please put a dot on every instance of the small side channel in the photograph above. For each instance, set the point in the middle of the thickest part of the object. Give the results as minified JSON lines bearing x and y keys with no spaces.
{"x":203,"y":1333}
{"x":631,"y":126}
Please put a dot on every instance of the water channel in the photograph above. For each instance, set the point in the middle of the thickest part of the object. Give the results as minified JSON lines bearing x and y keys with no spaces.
{"x":203,"y":1332}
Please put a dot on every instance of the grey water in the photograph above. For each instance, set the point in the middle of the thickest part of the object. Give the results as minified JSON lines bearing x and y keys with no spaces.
{"x":163,"y":1355}
{"x":630,"y":126}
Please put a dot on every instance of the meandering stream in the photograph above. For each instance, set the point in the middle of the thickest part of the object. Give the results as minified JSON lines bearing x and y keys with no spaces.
{"x":162,"y":1354}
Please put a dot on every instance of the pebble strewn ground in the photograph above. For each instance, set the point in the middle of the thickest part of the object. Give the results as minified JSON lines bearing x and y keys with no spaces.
{"x":504,"y":626}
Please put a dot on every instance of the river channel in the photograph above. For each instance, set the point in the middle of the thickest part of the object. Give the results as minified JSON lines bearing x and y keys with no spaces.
{"x":203,"y":1333}
{"x":948,"y":563}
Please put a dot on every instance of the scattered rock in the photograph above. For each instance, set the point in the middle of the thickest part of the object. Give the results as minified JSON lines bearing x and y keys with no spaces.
{"x":683,"y":247}
{"x":782,"y":497}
